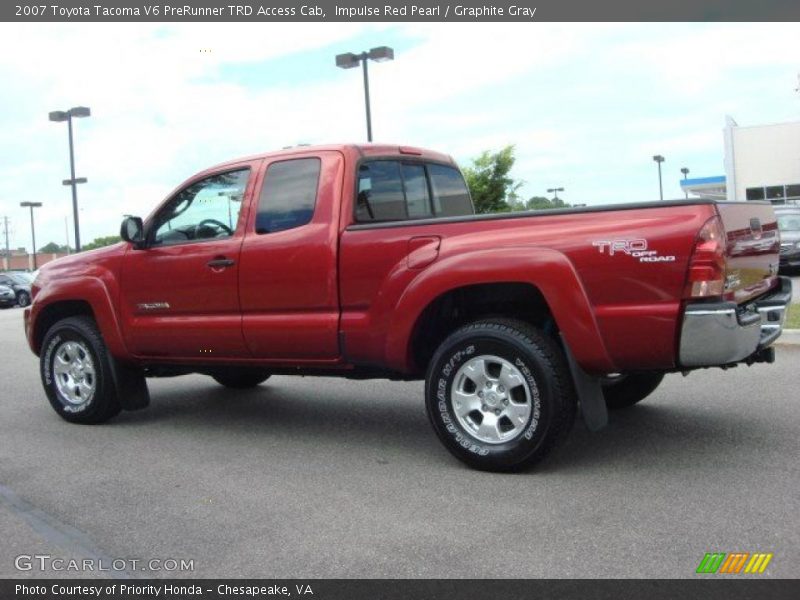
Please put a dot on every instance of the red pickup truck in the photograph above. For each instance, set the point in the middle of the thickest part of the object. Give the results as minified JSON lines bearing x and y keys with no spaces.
{"x":366,"y":261}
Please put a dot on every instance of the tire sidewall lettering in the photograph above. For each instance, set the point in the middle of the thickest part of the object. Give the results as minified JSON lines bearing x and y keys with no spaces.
{"x":536,"y":398}
{"x":444,"y":381}
{"x":49,"y":358}
{"x":443,"y":406}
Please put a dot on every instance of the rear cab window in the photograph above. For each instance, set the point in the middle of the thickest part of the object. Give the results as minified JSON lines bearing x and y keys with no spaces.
{"x":400,"y":190}
{"x":289,"y":195}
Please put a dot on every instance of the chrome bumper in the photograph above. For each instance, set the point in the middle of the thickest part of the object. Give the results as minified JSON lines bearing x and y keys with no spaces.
{"x":723,"y":333}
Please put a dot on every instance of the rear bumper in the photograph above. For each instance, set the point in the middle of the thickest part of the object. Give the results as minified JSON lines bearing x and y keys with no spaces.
{"x":723,"y":333}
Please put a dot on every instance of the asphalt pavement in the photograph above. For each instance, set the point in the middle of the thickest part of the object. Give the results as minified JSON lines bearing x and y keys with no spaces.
{"x":318,"y":477}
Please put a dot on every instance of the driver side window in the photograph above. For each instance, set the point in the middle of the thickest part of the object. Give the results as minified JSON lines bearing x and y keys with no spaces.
{"x":207,"y":209}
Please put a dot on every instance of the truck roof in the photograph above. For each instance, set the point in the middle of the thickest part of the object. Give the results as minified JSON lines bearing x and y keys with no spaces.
{"x":355,"y":150}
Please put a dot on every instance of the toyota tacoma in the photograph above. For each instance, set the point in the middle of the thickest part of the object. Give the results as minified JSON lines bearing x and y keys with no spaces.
{"x":367,"y":261}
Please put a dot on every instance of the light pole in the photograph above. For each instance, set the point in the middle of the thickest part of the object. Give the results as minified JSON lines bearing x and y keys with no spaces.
{"x":555,"y":191}
{"x":58,"y":116}
{"x":350,"y":60}
{"x":32,"y":205}
{"x":659,"y":159}
{"x":685,"y":171}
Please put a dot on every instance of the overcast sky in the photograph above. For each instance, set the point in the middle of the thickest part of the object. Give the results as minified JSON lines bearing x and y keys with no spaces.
{"x":587,"y":105}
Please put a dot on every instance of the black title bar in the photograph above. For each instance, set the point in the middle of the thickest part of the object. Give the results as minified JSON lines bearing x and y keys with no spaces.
{"x":403,"y":589}
{"x":399,"y":10}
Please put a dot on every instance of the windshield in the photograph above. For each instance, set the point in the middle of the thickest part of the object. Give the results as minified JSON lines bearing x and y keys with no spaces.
{"x":790,"y":222}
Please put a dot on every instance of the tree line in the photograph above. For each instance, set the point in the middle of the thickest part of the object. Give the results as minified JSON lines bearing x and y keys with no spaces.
{"x":493,"y":189}
{"x":53,"y":248}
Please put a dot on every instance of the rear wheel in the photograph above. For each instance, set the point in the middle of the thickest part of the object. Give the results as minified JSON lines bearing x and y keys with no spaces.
{"x":499,"y":394}
{"x":240,"y":379}
{"x":627,"y":390}
{"x":76,"y":372}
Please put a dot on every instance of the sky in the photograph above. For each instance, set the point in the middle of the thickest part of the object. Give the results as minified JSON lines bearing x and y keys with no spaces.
{"x":586,"y":105}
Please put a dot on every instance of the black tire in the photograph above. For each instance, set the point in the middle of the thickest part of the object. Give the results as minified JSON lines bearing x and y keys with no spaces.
{"x":103,"y":403}
{"x":240,"y":379}
{"x":630,"y":389}
{"x":545,"y":376}
{"x":23,"y":299}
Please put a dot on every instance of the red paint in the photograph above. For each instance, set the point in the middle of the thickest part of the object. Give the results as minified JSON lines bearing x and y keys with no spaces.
{"x":291,"y":297}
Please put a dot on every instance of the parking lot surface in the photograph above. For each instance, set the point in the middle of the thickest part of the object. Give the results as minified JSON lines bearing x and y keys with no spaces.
{"x":317,"y":477}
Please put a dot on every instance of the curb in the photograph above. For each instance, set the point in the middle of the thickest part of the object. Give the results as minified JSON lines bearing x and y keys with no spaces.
{"x":789,"y":337}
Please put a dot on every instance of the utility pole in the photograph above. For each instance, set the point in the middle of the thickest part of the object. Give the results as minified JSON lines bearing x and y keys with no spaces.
{"x":8,"y":251}
{"x":5,"y":223}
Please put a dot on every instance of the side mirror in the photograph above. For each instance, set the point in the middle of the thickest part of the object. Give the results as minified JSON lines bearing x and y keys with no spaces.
{"x":132,"y":231}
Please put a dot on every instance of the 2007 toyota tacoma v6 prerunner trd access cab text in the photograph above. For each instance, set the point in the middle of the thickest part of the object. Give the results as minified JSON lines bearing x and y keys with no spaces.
{"x":366,"y":261}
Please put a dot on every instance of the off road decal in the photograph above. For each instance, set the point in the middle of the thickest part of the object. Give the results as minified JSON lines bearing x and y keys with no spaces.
{"x":637,"y":248}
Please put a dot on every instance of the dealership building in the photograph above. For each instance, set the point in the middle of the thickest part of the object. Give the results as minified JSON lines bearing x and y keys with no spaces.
{"x":762,"y":162}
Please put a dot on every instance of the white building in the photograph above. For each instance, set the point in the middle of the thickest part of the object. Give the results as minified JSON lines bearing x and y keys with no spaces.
{"x":762,"y":162}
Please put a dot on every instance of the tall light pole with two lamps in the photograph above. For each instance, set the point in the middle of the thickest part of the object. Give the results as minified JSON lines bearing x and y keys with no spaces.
{"x":555,"y":191}
{"x":32,"y":205}
{"x":350,"y":60}
{"x":67,"y":115}
{"x":685,"y":171}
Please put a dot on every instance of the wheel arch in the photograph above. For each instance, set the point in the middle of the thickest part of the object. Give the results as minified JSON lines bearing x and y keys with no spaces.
{"x":539,"y":285}
{"x":60,"y":300}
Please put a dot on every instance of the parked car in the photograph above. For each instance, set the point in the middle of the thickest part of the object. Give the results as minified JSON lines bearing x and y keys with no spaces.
{"x":367,"y":261}
{"x":789,"y":226}
{"x":7,"y":297}
{"x":20,"y":282}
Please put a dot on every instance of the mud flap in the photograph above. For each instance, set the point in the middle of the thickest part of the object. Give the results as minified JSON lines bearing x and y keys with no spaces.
{"x":590,"y":393}
{"x":130,"y":385}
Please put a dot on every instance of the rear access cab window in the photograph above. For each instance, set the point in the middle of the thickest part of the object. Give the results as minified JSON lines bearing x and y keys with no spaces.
{"x":289,"y":195}
{"x":399,"y":190}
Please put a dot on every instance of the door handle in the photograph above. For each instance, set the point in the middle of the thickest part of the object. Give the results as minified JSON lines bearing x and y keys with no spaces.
{"x":221,"y":262}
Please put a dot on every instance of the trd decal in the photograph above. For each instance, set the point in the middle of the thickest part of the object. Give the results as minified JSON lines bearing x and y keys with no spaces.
{"x":636,"y":248}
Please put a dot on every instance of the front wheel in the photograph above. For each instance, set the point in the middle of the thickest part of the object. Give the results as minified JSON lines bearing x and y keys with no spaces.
{"x":23,"y":299}
{"x":627,"y":390}
{"x":76,"y":372}
{"x":499,"y":394}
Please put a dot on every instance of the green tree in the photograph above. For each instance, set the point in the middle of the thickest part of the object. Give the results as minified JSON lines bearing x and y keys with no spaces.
{"x":491,"y":186}
{"x":101,"y":242}
{"x":53,"y":248}
{"x":539,"y":203}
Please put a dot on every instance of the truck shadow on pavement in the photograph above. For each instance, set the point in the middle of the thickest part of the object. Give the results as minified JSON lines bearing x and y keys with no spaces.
{"x":671,"y":435}
{"x":667,"y":436}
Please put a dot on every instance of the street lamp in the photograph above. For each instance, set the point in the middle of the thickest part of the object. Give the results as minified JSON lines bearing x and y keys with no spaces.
{"x":555,"y":191}
{"x":32,"y":205}
{"x":350,"y":61}
{"x":685,"y":171}
{"x":59,"y":116}
{"x":659,"y":159}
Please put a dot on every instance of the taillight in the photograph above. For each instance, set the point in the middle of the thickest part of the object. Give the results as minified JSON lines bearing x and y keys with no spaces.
{"x":707,"y":265}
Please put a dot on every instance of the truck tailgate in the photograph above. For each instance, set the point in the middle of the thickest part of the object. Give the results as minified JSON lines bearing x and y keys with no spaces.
{"x":752,"y":250}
